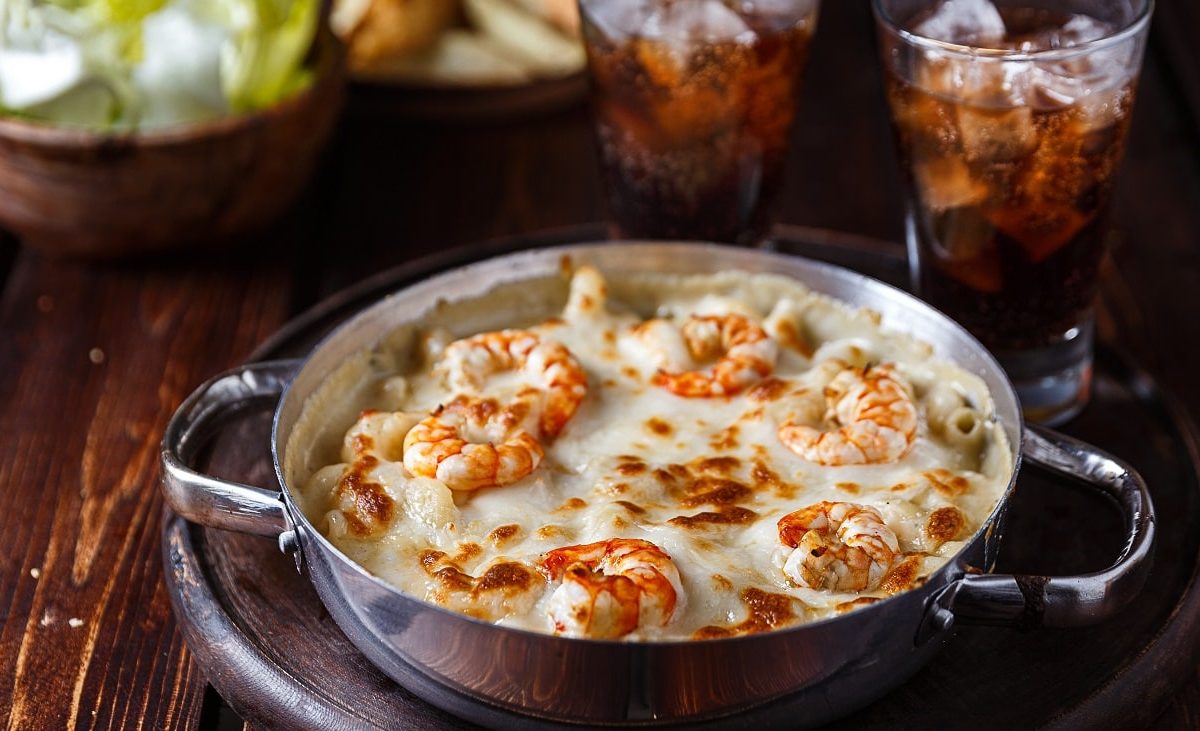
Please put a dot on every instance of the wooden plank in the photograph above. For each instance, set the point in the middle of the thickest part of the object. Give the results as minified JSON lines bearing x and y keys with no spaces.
{"x":93,"y":360}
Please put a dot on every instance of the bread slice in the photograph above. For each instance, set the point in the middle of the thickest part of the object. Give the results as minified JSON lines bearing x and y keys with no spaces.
{"x":379,"y":30}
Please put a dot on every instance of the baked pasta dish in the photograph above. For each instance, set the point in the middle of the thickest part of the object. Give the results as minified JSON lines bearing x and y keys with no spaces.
{"x":666,"y":457}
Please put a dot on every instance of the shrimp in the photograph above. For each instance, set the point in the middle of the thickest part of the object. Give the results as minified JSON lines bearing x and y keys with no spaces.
{"x":610,"y":588}
{"x":876,"y":415}
{"x":744,"y":352}
{"x":438,"y":447}
{"x":838,"y":546}
{"x":470,"y":361}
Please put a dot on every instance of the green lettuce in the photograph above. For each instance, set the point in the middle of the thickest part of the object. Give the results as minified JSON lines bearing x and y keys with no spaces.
{"x":265,"y":60}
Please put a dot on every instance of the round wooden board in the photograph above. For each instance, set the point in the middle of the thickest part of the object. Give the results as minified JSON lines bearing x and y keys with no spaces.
{"x":265,"y":642}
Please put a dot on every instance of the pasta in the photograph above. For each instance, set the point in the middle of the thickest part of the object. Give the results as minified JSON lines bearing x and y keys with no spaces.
{"x":649,"y":453}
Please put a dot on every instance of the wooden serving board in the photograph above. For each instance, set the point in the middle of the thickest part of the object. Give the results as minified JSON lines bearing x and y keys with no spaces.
{"x":267,"y":645}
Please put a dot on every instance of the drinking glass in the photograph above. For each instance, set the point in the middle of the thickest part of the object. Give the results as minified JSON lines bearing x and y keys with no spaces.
{"x":694,"y":102}
{"x":1011,"y":118}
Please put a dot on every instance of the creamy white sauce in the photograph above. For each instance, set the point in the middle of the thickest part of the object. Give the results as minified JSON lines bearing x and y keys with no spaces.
{"x":589,"y":486}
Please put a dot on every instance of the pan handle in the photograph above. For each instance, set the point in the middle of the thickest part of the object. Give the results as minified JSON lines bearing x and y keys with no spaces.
{"x":207,"y":500}
{"x":1062,"y":601}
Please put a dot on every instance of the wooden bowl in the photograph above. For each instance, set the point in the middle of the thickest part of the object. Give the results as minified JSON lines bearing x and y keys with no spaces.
{"x":74,"y":192}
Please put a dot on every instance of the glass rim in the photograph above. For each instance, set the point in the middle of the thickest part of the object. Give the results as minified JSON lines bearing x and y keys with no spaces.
{"x":1122,"y":34}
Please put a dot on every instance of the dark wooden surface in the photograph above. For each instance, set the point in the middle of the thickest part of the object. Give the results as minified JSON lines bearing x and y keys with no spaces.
{"x":259,"y":629}
{"x":93,"y":358}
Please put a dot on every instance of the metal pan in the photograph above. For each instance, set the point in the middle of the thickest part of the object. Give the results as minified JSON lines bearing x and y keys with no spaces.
{"x":794,"y":677}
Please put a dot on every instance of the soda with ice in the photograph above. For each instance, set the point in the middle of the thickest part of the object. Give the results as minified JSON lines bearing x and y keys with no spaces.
{"x":1010,"y":154}
{"x":694,"y":103}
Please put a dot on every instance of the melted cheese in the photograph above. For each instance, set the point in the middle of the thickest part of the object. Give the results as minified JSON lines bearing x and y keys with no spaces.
{"x":705,"y":479}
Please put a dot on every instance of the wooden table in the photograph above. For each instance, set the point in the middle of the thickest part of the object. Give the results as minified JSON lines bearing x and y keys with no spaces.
{"x":95,"y":357}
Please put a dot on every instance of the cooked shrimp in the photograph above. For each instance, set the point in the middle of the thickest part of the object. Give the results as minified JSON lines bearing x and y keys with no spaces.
{"x":876,"y":415}
{"x":744,"y":352}
{"x":612,"y":587}
{"x":440,"y":447}
{"x":562,"y":381}
{"x":838,"y":546}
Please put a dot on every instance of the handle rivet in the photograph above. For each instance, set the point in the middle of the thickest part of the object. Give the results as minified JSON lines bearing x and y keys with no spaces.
{"x":288,"y":542}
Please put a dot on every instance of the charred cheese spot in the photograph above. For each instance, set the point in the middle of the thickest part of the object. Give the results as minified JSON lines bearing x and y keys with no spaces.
{"x":726,"y":439}
{"x":610,"y":337}
{"x":945,"y":524}
{"x":720,"y":583}
{"x":764,"y":478}
{"x":850,"y":487}
{"x":617,"y":488}
{"x":724,"y":516}
{"x":947,"y":483}
{"x":546,"y":532}
{"x":572,"y":504}
{"x":768,"y":389}
{"x":752,"y":415}
{"x":366,"y":506}
{"x":554,"y":322}
{"x":659,"y":427}
{"x":630,"y":469}
{"x":717,"y":465}
{"x":430,"y":559}
{"x":503,"y":534}
{"x":362,"y":443}
{"x":903,"y":575}
{"x":631,"y":507}
{"x":714,"y":491}
{"x":506,"y":577}
{"x":766,"y":611}
{"x":454,"y":579}
{"x":467,"y":552}
{"x":631,"y":373}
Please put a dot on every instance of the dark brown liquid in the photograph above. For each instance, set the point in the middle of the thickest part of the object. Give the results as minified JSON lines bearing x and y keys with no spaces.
{"x":694,"y":144}
{"x":1011,"y":202}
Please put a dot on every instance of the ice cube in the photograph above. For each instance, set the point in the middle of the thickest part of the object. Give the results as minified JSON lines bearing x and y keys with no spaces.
{"x":945,"y":182}
{"x":617,"y":19}
{"x":1073,"y":82}
{"x":1041,"y":228}
{"x":1101,"y":110}
{"x":964,"y":242}
{"x":1055,"y":86}
{"x":685,"y":23}
{"x":790,"y":8}
{"x":1082,"y":29}
{"x":966,"y":22}
{"x":973,"y":79}
{"x":996,"y":135}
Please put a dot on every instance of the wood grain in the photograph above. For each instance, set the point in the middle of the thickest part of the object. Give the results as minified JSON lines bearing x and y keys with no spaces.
{"x":92,"y":363}
{"x":77,"y":439}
